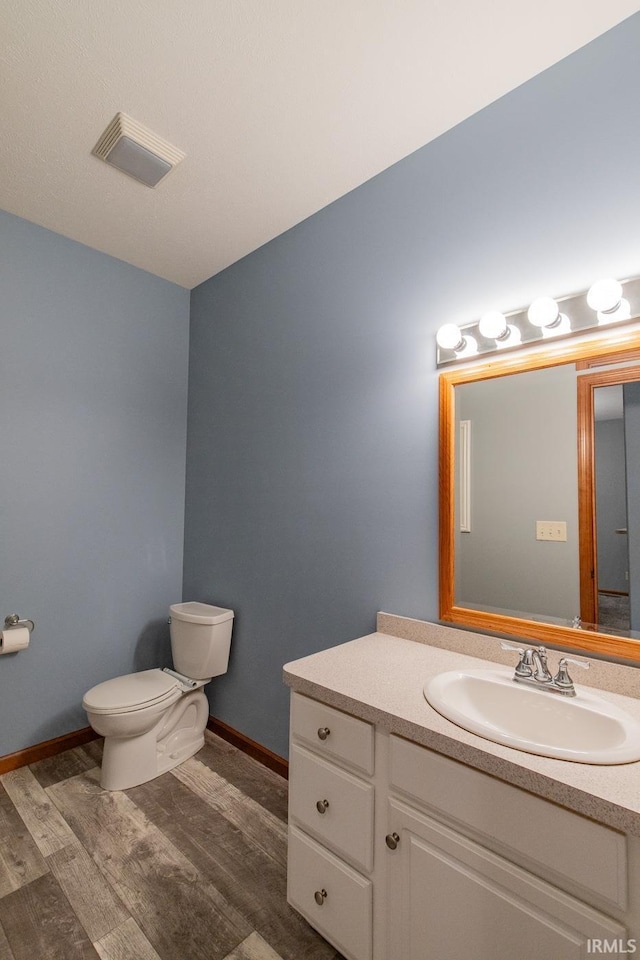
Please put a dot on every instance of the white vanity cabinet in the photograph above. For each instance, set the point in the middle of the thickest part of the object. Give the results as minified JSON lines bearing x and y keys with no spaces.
{"x":463,"y":866}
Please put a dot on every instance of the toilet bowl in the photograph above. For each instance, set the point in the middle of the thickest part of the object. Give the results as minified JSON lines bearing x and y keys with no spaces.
{"x":155,"y":719}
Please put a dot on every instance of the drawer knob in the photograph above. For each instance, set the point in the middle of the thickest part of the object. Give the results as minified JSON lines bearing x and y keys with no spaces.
{"x":392,"y":840}
{"x":323,"y":732}
{"x":320,"y":896}
{"x":322,"y":806}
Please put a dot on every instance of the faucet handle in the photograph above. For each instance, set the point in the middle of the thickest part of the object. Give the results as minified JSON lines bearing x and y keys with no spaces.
{"x":585,"y":664}
{"x":510,"y":646}
{"x":562,"y":678}
{"x":524,"y":668}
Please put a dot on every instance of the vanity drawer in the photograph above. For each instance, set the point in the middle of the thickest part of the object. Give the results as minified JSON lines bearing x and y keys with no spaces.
{"x":344,"y":915}
{"x":333,"y":733}
{"x":344,"y":821}
{"x":588,"y":854}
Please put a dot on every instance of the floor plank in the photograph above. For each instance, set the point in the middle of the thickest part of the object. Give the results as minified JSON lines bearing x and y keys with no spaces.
{"x":39,"y":923}
{"x":267,"y":832}
{"x":49,"y":830}
{"x":62,"y":766}
{"x":180,"y":912}
{"x":253,"y":948}
{"x":5,"y":949}
{"x":92,"y":898}
{"x":126,"y":942}
{"x":94,"y":749}
{"x":242,"y":873}
{"x":20,"y":860}
{"x":251,"y":777}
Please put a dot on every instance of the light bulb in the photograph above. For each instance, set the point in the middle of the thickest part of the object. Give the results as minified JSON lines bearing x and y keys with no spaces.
{"x":605,"y":295}
{"x":493,"y":325}
{"x":561,"y":326}
{"x":543,"y":312}
{"x":511,"y":338}
{"x":621,"y":312}
{"x":449,"y":337}
{"x":469,"y":349}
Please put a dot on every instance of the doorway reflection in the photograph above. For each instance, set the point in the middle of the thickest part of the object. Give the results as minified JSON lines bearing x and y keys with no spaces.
{"x":612,"y":569}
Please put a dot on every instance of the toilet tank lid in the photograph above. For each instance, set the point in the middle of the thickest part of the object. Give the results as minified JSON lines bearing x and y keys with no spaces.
{"x":194,"y":612}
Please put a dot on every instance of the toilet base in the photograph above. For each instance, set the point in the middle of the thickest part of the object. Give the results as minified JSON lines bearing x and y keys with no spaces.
{"x":179,"y":734}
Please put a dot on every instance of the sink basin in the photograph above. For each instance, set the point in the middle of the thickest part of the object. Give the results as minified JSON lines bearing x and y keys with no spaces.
{"x":489,"y":703}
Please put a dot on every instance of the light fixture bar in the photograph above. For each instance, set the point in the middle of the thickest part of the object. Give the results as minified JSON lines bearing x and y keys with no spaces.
{"x":611,"y":303}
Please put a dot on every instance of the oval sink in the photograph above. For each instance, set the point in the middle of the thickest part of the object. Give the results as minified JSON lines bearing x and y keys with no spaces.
{"x":489,"y":703}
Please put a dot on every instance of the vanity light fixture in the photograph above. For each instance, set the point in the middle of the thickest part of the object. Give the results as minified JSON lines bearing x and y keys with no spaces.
{"x":606,"y":302}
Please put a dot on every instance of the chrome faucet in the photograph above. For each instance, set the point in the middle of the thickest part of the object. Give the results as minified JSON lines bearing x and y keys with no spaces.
{"x":541,"y":673}
{"x":532,"y":669}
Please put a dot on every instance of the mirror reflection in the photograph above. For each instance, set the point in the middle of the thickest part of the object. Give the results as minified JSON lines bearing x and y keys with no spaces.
{"x":523,"y":472}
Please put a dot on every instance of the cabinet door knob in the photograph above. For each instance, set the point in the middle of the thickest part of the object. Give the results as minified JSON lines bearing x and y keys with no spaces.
{"x":322,"y":806}
{"x":323,"y":732}
{"x":319,"y":897}
{"x":392,"y":840}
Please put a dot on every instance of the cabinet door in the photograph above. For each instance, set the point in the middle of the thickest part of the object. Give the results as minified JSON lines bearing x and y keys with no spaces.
{"x":451,"y":899}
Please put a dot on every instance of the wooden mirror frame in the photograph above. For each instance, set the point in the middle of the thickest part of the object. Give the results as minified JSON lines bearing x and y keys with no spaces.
{"x":614,"y":348}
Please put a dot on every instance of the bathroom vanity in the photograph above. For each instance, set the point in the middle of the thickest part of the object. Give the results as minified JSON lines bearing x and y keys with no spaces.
{"x":412,"y":839}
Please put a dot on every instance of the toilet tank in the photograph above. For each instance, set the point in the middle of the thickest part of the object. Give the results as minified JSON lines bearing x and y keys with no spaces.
{"x":200,"y":639}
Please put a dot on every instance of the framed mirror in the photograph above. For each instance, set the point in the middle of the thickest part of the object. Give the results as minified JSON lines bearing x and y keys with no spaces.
{"x":540,"y":495}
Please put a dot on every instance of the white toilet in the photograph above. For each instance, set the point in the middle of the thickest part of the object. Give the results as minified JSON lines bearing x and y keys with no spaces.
{"x":155,"y":719}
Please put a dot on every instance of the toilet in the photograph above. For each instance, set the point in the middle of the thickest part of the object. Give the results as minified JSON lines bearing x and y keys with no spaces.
{"x":154,"y":720}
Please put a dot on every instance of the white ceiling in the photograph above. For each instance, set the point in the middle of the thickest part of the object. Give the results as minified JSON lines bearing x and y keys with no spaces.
{"x":281,"y":106}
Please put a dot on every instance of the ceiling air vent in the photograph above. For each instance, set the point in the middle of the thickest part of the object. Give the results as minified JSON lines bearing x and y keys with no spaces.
{"x":137,"y":151}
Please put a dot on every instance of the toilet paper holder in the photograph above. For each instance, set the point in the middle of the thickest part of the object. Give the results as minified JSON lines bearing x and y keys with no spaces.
{"x":13,"y":620}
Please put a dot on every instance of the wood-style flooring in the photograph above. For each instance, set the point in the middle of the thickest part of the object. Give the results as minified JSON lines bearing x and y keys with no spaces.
{"x":614,"y":610}
{"x":191,"y":866}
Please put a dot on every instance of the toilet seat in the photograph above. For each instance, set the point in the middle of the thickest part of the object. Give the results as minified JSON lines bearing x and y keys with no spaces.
{"x":135,"y":691}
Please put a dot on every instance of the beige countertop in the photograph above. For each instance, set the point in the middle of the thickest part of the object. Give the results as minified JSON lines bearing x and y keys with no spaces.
{"x":380,"y":678}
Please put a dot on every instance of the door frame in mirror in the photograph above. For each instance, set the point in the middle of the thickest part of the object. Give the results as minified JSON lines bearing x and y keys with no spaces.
{"x":610,"y":348}
{"x":588,"y":538}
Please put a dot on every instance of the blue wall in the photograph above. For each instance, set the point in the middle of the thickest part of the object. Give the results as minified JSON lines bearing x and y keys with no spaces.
{"x":312,"y":444}
{"x":93,"y":384}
